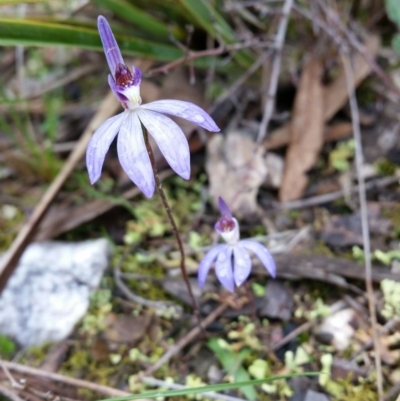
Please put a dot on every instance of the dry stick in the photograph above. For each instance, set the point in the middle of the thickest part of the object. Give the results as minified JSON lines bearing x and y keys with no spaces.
{"x":364,"y":215}
{"x":79,"y":383}
{"x":240,"y":81}
{"x":139,"y":300}
{"x":331,"y":196}
{"x":185,"y":340}
{"x":108,"y":107}
{"x":9,"y":394}
{"x":172,"y":221}
{"x":276,"y":66}
{"x":191,"y":56}
{"x":356,"y":44}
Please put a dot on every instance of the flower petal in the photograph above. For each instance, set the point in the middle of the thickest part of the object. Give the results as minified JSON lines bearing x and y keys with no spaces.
{"x":223,"y":268}
{"x":133,"y":154}
{"x":242,"y":264}
{"x":224,"y":208}
{"x":186,"y":110}
{"x":262,"y":253}
{"x":99,"y":145}
{"x":110,"y":46}
{"x":207,"y":262}
{"x":170,"y":139}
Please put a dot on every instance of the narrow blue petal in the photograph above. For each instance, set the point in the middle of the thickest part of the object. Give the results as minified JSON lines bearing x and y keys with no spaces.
{"x":262,"y":253}
{"x":223,"y":207}
{"x":207,"y":262}
{"x":100,"y":143}
{"x":133,"y":156}
{"x":223,"y":268}
{"x":170,"y":139}
{"x":242,"y":264}
{"x":110,"y":46}
{"x":186,"y":110}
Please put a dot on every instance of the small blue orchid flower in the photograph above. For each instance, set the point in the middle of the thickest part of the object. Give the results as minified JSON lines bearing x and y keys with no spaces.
{"x":232,"y":260}
{"x":131,"y":147}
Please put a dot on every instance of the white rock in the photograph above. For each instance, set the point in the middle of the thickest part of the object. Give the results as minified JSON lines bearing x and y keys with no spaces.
{"x":50,"y":288}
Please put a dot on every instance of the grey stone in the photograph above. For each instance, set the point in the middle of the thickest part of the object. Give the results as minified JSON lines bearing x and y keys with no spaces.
{"x":49,"y":290}
{"x":277,"y":303}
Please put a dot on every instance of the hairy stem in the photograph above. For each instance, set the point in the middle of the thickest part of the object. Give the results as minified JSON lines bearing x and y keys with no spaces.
{"x":171,"y":220}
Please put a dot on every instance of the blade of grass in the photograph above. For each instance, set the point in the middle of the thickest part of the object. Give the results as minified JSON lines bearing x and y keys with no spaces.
{"x":140,"y":18}
{"x":209,"y":388}
{"x":204,"y":15}
{"x":28,"y":32}
{"x":232,"y":363}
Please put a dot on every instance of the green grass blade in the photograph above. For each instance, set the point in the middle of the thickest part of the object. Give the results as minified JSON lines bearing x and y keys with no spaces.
{"x":140,"y":18}
{"x":210,"y":388}
{"x":204,"y":14}
{"x":28,"y":32}
{"x":232,"y":363}
{"x":14,"y":2}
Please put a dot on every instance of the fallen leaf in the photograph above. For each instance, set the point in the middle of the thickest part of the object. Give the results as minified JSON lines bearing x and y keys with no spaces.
{"x":236,"y":169}
{"x":281,"y":136}
{"x":306,"y":137}
{"x":125,"y":328}
{"x":335,"y":94}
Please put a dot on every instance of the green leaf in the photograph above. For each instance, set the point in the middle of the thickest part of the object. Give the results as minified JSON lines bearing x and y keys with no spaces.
{"x":232,"y":363}
{"x":140,"y":18}
{"x":209,"y":388}
{"x":393,"y":10}
{"x":396,"y":43}
{"x":29,"y":32}
{"x":13,"y":2}
{"x":206,"y":16}
{"x":7,"y":346}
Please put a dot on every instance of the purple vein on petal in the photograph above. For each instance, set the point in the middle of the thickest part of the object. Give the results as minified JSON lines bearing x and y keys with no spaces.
{"x":110,"y":45}
{"x":223,"y":268}
{"x":186,"y":110}
{"x":170,"y":139}
{"x":206,"y":263}
{"x":99,"y":145}
{"x":133,"y":156}
{"x":242,"y":264}
{"x":262,"y":253}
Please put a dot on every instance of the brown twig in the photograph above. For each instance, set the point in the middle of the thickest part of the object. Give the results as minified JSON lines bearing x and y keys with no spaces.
{"x":108,"y":107}
{"x":331,"y":196}
{"x":79,"y":383}
{"x":276,"y":67}
{"x":343,"y":36}
{"x":305,"y":326}
{"x":241,"y":80}
{"x":333,"y":17}
{"x":217,"y":51}
{"x":71,"y":76}
{"x":10,"y":394}
{"x":185,"y":340}
{"x":143,"y":301}
{"x":364,"y":216}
